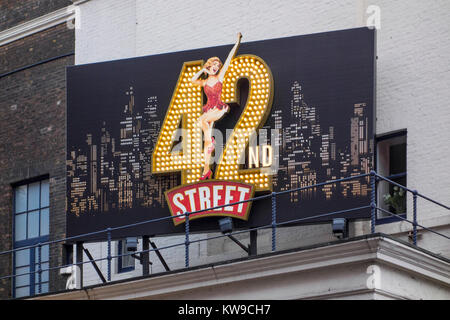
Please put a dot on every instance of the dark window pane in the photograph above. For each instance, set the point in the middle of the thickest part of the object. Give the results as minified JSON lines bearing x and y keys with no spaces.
{"x":401,"y":181}
{"x":44,"y":288}
{"x":44,"y":222}
{"x":21,"y":199}
{"x":22,"y":292}
{"x":391,"y":162}
{"x":126,"y":260}
{"x":397,"y":159}
{"x":20,"y":227}
{"x":22,"y":280}
{"x":44,"y":274}
{"x":44,"y":253}
{"x":33,"y":224}
{"x":398,"y":197}
{"x":33,"y":196}
{"x":22,"y":257}
{"x":45,"y":194}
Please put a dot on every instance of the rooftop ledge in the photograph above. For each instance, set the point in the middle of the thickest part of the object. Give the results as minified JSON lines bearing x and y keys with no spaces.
{"x":367,"y":267}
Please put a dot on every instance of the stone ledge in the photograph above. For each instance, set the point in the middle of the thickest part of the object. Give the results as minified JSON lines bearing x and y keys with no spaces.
{"x":333,"y":271}
{"x":37,"y":25}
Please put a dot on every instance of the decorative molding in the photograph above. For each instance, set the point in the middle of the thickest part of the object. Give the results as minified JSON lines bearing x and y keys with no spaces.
{"x":408,"y":258}
{"x":37,"y":25}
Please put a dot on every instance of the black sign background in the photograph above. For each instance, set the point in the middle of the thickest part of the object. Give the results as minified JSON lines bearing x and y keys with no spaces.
{"x":322,"y":80}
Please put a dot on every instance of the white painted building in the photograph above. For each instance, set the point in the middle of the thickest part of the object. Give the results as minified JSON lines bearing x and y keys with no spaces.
{"x":413,"y":77}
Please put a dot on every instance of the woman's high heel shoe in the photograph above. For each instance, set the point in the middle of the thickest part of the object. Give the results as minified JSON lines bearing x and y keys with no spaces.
{"x":206,"y":175}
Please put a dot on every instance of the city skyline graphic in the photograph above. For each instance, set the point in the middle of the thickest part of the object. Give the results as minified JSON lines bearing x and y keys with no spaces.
{"x":111,"y":170}
{"x":311,"y":154}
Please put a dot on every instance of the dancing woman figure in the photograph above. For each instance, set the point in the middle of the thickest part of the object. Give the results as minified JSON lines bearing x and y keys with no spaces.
{"x":215,"y":108}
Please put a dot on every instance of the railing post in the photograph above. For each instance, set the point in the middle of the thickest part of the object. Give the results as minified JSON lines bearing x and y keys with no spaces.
{"x":79,"y":265}
{"x":373,"y":206}
{"x":274,"y":221}
{"x":253,"y":251}
{"x":186,"y":243}
{"x":145,"y":255}
{"x":39,"y":268}
{"x":109,"y":254}
{"x":415,"y":217}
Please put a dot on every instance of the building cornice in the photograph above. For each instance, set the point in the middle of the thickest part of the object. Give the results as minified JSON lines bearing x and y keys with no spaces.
{"x":335,"y":260}
{"x":397,"y":254}
{"x":37,"y":25}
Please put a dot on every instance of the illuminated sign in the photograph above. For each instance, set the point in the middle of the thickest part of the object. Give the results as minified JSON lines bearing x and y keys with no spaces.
{"x":149,"y":137}
{"x":186,"y":108}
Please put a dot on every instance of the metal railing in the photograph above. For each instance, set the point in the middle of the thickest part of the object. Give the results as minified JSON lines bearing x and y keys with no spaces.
{"x":373,"y":176}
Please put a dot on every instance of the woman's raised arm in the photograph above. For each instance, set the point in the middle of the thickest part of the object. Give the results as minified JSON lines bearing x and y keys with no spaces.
{"x":230,"y":56}
{"x":195,"y":79}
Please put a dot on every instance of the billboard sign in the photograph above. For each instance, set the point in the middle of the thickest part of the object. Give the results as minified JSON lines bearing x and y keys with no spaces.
{"x":157,"y":136}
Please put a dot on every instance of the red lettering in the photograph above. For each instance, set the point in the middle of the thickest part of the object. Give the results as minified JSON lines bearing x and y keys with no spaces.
{"x":203,"y":196}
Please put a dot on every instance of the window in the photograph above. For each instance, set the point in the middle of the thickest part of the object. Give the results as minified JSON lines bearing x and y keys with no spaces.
{"x":391,"y":163}
{"x":124,"y":263}
{"x":31,"y":226}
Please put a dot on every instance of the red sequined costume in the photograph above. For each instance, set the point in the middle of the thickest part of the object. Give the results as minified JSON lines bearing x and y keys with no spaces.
{"x":213,"y":94}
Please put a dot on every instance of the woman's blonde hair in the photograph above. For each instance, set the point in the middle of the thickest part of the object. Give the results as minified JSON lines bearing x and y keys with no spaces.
{"x":211,"y":60}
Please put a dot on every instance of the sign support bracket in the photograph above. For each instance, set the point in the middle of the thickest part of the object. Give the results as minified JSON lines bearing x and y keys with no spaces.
{"x":161,"y":258}
{"x":246,"y":249}
{"x":93,"y":263}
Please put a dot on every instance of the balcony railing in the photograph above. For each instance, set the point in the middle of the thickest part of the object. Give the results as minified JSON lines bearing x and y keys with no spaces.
{"x":372,"y":206}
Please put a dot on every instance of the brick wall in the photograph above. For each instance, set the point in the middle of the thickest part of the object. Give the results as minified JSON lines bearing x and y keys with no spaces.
{"x":14,"y":12}
{"x":33,"y":132}
{"x":41,"y":46}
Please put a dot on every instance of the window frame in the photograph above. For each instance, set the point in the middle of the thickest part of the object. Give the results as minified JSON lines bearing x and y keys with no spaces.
{"x":32,"y":262}
{"x":380,"y":138}
{"x":120,"y":267}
